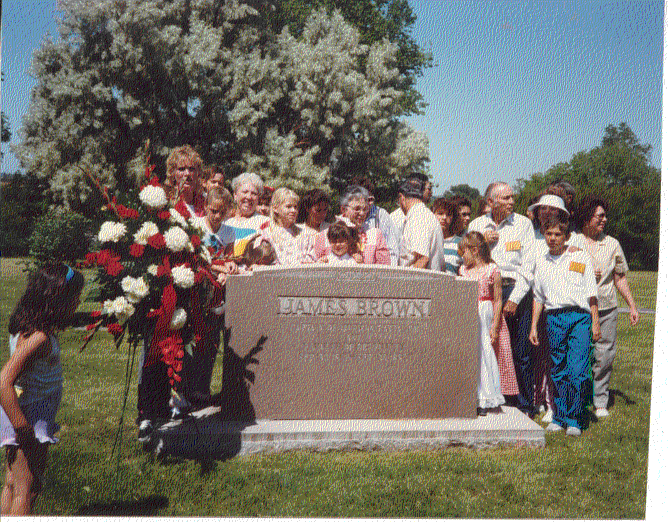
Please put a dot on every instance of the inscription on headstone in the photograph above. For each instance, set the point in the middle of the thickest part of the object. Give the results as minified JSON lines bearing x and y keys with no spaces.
{"x":359,"y":342}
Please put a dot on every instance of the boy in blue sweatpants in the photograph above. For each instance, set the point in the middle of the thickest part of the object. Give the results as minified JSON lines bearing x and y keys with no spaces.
{"x":565,"y":285}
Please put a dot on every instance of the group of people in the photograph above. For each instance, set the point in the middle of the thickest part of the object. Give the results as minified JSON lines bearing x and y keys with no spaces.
{"x":546,"y":289}
{"x":547,"y":281}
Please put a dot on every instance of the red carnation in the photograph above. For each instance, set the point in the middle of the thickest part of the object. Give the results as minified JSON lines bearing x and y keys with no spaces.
{"x":125,"y":212}
{"x":91,"y":258}
{"x":195,"y":240}
{"x":136,"y":250}
{"x":164,"y":214}
{"x":157,"y":241}
{"x":105,"y":256}
{"x":154,"y":181}
{"x":96,"y":313}
{"x":114,"y":329}
{"x":114,"y":268}
{"x":182,"y":209}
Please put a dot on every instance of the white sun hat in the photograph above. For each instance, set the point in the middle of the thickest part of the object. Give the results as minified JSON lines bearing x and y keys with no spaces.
{"x":549,"y":200}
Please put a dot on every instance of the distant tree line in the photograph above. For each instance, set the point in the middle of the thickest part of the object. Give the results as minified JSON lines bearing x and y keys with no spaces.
{"x":618,"y":171}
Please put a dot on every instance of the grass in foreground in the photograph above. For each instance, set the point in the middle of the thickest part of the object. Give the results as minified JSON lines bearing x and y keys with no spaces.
{"x":601,"y":475}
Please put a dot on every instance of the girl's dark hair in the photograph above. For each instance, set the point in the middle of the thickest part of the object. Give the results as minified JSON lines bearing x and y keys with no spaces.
{"x":265,"y":197}
{"x":262,"y":253}
{"x":339,"y":230}
{"x":587,"y":209}
{"x":310,"y":199}
{"x":44,"y":305}
{"x":560,"y":220}
{"x":449,"y":208}
{"x":476,"y":240}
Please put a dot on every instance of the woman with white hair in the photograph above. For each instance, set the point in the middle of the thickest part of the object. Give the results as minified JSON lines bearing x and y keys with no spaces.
{"x":354,"y":210}
{"x":293,"y":246}
{"x":247,"y":188}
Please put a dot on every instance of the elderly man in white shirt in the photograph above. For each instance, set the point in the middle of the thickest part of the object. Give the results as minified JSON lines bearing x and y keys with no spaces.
{"x":511,"y":240}
{"x":422,"y":238}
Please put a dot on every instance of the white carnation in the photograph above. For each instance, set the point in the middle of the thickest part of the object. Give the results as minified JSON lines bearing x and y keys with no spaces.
{"x":152,"y":269}
{"x":135,"y":288}
{"x":179,"y":318}
{"x":205,"y":254}
{"x":197,"y":223}
{"x":183,"y":276}
{"x":120,"y":307}
{"x":147,"y":230}
{"x":176,"y":217}
{"x":154,"y":197}
{"x":111,"y":231}
{"x":176,"y":239}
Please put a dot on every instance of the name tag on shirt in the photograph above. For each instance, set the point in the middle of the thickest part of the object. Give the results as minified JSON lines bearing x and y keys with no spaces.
{"x":513,"y":246}
{"x":577,"y":267}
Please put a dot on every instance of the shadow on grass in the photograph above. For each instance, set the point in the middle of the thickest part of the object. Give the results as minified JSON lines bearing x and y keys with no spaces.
{"x":617,"y":393}
{"x":145,"y":507}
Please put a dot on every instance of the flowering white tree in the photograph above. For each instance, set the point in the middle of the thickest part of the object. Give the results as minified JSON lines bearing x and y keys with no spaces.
{"x":307,"y":111}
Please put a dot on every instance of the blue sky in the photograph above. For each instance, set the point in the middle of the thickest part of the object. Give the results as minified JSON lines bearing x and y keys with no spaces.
{"x":518,"y":86}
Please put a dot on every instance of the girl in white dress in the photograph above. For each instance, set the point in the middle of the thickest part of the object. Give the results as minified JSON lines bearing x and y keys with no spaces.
{"x":478,"y":265}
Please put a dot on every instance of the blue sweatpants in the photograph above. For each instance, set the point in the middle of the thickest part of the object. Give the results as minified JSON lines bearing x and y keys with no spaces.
{"x":569,"y":334}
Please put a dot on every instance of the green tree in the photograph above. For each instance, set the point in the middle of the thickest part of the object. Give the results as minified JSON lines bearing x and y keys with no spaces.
{"x":5,"y":133}
{"x":21,"y":204}
{"x":619,"y":172}
{"x":304,"y":110}
{"x":376,"y":20}
{"x":465,"y":190}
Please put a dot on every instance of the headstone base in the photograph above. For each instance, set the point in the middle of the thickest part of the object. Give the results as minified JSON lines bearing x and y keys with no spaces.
{"x":205,"y":435}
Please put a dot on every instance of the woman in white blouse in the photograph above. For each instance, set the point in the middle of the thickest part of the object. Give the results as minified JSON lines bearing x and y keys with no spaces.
{"x":293,"y":246}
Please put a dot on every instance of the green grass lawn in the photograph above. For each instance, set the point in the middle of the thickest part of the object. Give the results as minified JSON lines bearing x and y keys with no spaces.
{"x":600,"y":475}
{"x":643,"y":288}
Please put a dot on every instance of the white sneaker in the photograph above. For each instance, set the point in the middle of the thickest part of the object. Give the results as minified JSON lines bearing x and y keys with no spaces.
{"x":548,"y":416}
{"x":145,"y":431}
{"x":553,"y":427}
{"x":601,"y":412}
{"x":573,"y":431}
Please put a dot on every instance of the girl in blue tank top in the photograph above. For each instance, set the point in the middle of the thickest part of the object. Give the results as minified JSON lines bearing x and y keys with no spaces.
{"x":31,"y":381}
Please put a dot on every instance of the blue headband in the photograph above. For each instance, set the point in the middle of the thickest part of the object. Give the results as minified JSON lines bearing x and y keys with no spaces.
{"x":69,"y":275}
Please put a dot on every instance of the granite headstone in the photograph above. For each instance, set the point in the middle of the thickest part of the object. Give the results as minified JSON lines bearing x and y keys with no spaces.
{"x":360,"y":342}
